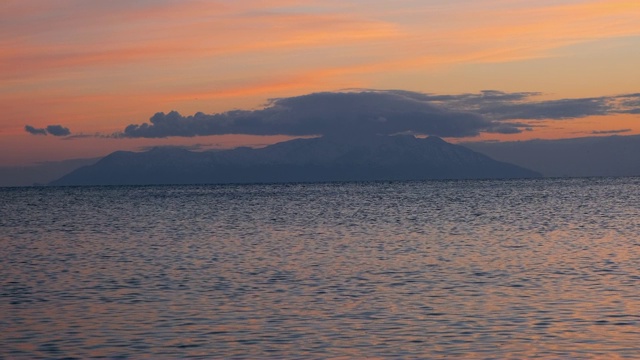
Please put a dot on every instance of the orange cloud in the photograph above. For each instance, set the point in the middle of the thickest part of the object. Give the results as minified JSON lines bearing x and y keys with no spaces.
{"x":167,"y":35}
{"x":174,"y":35}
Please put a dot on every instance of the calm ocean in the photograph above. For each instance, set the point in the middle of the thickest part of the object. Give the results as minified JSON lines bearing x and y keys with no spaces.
{"x":545,"y":268}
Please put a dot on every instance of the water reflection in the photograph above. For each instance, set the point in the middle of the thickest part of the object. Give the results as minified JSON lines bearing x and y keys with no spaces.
{"x":476,"y":269}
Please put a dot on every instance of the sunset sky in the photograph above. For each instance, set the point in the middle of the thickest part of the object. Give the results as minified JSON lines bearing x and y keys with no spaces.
{"x":74,"y":74}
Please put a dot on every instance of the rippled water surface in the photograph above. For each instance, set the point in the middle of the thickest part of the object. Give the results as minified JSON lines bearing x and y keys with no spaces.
{"x":458,"y":269}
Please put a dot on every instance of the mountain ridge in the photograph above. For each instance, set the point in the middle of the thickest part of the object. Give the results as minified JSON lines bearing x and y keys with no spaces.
{"x":400,"y":157}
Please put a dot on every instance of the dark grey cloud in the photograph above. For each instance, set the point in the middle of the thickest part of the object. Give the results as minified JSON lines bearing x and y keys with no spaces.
{"x":34,"y":131}
{"x":601,"y":132}
{"x":499,"y":106}
{"x":58,"y":130}
{"x":55,"y":130}
{"x":194,"y":147}
{"x":81,"y":135}
{"x":327,"y":114}
{"x":556,"y":109}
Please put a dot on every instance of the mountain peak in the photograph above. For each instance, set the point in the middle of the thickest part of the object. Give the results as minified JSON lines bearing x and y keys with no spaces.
{"x":436,"y":139}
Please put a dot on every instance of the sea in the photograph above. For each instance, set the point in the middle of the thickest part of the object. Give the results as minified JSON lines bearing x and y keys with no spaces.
{"x":469,"y":269}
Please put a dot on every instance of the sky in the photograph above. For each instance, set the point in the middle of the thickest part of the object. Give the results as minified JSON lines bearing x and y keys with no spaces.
{"x":83,"y":78}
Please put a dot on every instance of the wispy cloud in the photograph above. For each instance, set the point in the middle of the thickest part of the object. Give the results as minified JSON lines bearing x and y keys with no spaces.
{"x":192,"y":147}
{"x":498,"y":31}
{"x":117,"y":33}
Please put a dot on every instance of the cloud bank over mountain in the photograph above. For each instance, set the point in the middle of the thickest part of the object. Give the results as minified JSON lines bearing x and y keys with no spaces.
{"x":323,"y":114}
{"x":377,"y":112}
{"x":386,"y":113}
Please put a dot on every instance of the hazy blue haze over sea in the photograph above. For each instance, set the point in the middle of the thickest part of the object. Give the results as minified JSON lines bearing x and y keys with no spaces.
{"x":459,"y":269}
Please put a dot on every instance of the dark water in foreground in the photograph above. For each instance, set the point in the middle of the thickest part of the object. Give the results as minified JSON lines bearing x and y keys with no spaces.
{"x":459,"y":269}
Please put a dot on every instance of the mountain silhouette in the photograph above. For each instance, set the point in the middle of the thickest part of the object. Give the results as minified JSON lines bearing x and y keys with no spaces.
{"x":322,"y":159}
{"x":578,"y":157}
